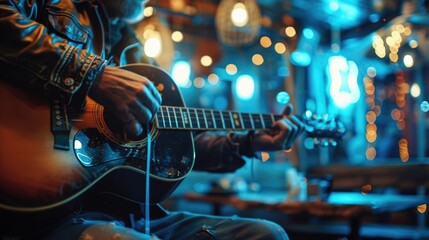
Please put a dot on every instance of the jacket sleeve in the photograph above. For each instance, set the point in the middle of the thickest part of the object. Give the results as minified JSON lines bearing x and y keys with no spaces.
{"x":221,"y":152}
{"x":33,"y":56}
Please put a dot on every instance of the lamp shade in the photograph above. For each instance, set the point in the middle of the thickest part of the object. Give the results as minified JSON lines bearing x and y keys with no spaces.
{"x":155,"y":35}
{"x":238,"y":22}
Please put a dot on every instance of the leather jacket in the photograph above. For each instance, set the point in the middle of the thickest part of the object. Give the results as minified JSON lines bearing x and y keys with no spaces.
{"x":60,"y":46}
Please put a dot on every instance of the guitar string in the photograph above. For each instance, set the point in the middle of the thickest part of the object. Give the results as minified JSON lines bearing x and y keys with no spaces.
{"x":148,"y":159}
{"x":214,"y":121}
{"x":321,"y":127}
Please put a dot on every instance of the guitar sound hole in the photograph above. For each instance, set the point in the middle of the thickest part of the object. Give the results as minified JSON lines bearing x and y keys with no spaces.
{"x":117,"y":128}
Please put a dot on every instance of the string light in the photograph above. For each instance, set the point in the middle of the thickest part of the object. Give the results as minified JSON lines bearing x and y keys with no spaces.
{"x":206,"y":60}
{"x":280,"y":48}
{"x":371,"y":115}
{"x":177,"y":36}
{"x":199,"y":82}
{"x":265,"y":41}
{"x":213,"y":79}
{"x":231,"y":69}
{"x":257,"y":59}
{"x":290,"y":31}
{"x":148,"y":11}
{"x":422,"y":208}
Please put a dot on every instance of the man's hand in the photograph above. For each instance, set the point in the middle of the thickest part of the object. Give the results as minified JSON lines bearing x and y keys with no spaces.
{"x":131,"y":97}
{"x":282,"y":134}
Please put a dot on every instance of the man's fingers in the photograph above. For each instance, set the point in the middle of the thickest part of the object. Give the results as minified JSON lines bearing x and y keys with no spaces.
{"x":154,"y":92}
{"x":300,"y":125}
{"x":141,"y":112}
{"x":293,"y":130}
{"x":133,"y":129}
{"x":131,"y":126}
{"x":148,"y":101}
{"x":288,"y":110}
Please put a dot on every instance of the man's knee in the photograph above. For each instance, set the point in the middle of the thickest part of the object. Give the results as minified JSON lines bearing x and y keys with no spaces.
{"x":270,"y":230}
{"x":249,"y":228}
{"x":111,"y":231}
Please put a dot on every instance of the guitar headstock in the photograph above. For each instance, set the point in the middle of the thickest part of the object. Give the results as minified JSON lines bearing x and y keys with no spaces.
{"x":324,"y":130}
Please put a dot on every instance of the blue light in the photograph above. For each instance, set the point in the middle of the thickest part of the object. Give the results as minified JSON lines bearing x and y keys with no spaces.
{"x":334,"y":6}
{"x":343,"y":88}
{"x":300,"y":58}
{"x":308,"y":33}
{"x":282,"y":97}
{"x":282,"y":71}
{"x":374,"y":17}
{"x":424,"y":106}
{"x":245,"y":87}
{"x":221,"y":103}
{"x":181,"y":72}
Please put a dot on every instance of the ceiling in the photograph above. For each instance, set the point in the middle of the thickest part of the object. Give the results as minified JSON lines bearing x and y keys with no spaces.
{"x":354,"y":20}
{"x":352,"y":17}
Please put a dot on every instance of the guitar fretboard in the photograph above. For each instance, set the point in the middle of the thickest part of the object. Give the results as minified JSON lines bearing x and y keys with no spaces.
{"x":169,"y":117}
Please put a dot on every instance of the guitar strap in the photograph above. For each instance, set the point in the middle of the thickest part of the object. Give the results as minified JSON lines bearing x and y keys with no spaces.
{"x":60,"y":124}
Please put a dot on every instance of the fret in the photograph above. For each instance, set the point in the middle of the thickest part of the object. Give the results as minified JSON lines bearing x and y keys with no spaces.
{"x":238,"y":122}
{"x":251,"y":120}
{"x":218,"y":119}
{"x":263,"y":122}
{"x":232,"y":120}
{"x":213,"y":119}
{"x":194,"y":118}
{"x":202,"y":121}
{"x":168,"y":117}
{"x":247,"y":121}
{"x":186,"y":119}
{"x":160,"y":118}
{"x":240,"y":116}
{"x":178,"y":118}
{"x":257,"y":121}
{"x":173,"y":123}
{"x":227,"y":120}
{"x":277,"y":117}
{"x":208,"y":118}
{"x":268,"y":120}
{"x":272,"y":118}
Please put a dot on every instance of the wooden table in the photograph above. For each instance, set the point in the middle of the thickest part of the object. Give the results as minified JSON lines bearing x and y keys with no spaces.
{"x":351,"y":206}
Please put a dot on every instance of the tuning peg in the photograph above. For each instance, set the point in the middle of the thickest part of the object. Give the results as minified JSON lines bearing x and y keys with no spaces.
{"x":324,"y":143}
{"x":316,"y":141}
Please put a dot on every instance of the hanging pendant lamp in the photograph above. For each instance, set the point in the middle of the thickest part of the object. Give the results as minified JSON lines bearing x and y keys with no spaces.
{"x":238,"y":22}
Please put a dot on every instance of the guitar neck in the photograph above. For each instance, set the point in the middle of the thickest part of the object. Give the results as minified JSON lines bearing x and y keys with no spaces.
{"x":169,"y":117}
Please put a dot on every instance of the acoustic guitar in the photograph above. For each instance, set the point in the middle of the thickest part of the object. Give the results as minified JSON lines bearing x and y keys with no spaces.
{"x":43,"y":168}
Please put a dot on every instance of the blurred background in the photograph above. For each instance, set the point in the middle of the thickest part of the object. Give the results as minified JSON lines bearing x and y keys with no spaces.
{"x":361,"y":62}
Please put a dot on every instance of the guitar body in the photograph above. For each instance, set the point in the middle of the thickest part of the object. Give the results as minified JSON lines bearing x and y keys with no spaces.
{"x":36,"y":177}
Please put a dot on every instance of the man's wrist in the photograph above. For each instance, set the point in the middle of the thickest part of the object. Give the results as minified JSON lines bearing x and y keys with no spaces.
{"x":245,"y":143}
{"x":90,"y":75}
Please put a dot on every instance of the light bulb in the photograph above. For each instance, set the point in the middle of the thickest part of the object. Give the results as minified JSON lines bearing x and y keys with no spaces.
{"x":239,"y":15}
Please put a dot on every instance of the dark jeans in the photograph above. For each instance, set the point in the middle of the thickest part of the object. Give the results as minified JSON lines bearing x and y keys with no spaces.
{"x":175,"y":225}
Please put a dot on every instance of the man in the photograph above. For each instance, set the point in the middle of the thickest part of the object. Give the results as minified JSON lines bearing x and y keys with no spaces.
{"x":69,"y":49}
